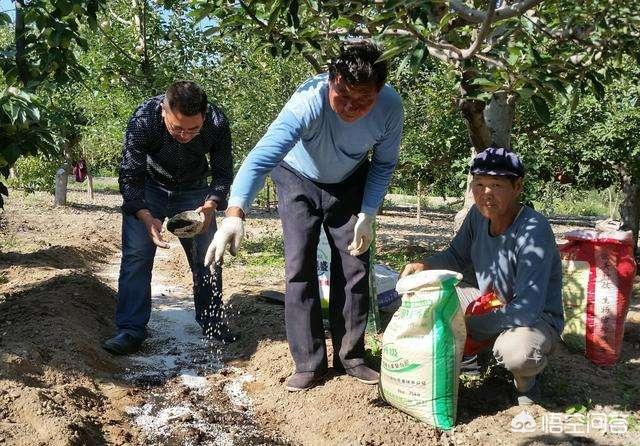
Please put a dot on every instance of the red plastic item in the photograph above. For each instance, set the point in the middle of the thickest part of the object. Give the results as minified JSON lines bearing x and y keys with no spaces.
{"x":80,"y":170}
{"x":609,"y":280}
{"x":483,"y":304}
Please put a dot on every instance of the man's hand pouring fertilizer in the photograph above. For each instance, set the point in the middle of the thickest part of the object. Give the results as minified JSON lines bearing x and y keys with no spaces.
{"x":230,"y":232}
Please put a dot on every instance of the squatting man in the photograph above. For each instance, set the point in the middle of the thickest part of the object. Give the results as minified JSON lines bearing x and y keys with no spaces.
{"x":507,"y":248}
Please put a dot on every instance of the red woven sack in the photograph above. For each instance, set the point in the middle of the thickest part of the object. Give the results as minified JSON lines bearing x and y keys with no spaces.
{"x":598,"y":272}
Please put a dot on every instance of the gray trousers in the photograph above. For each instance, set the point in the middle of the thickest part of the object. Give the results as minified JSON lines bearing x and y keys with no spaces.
{"x":305,"y":207}
{"x":524,"y":351}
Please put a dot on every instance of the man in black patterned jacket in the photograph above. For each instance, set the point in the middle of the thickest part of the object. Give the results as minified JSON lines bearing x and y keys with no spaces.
{"x":163,"y":172}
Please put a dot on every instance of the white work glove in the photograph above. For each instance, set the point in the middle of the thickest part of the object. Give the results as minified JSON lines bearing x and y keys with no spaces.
{"x":230,"y":232}
{"x":362,"y":234}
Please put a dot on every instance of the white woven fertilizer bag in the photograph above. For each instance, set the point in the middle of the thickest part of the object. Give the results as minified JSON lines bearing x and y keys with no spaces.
{"x":422,"y":348}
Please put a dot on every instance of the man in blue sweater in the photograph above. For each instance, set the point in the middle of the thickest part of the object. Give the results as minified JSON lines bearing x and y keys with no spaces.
{"x":317,"y":151}
{"x":512,"y":252}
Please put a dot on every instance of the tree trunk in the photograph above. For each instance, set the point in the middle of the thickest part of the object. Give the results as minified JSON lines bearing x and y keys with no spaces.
{"x":488,"y":125}
{"x":499,"y":116}
{"x":90,"y":186}
{"x":268,"y":197}
{"x":62,"y":178}
{"x":418,"y":212}
{"x":630,"y":205}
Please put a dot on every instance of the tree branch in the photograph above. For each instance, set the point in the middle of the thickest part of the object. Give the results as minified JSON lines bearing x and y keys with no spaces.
{"x":445,"y":48}
{"x":505,"y":12}
{"x":482,"y":33}
{"x":118,"y":18}
{"x":115,"y":45}
{"x":312,"y":61}
{"x":251,"y":14}
{"x":491,"y":61}
{"x":571,"y":35}
{"x":308,"y":56}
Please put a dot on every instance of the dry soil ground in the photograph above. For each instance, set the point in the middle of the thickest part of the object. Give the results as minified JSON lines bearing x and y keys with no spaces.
{"x":58,"y":279}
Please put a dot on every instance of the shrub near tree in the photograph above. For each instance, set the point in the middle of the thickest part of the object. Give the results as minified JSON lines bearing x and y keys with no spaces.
{"x":434,"y":139}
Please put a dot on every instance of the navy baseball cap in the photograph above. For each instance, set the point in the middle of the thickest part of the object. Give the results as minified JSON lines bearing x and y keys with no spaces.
{"x":497,"y":162}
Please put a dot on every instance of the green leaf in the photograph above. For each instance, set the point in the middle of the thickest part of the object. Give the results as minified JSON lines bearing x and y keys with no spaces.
{"x":343,"y":22}
{"x":541,"y":108}
{"x":526,"y":92}
{"x":5,"y":18}
{"x":598,"y":88}
{"x":395,"y":50}
{"x":293,"y":15}
{"x":417,"y":56}
{"x":446,"y":19}
{"x":483,"y":81}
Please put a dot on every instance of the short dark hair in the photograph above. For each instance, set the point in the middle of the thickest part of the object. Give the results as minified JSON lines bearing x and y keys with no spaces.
{"x":186,"y":97}
{"x":359,"y":64}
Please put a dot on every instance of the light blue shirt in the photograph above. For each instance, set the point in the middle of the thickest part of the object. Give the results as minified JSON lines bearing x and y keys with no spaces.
{"x":522,"y":265}
{"x":311,"y":138}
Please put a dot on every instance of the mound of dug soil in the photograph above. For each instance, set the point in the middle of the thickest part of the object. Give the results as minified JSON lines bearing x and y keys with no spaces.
{"x":51,"y":363}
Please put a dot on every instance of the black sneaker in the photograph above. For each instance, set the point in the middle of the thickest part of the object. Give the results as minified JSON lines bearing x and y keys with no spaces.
{"x":531,"y":396}
{"x":122,"y":344}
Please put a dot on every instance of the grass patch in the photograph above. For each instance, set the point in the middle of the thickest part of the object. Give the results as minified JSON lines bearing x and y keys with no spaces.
{"x":397,"y":258}
{"x":373,"y":349}
{"x":556,"y":199}
{"x":563,"y":200}
{"x":100,"y":184}
{"x":261,"y":252}
{"x":8,"y":243}
{"x":633,"y":423}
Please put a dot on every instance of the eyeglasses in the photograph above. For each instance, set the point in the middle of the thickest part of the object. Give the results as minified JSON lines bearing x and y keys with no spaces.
{"x":176,"y":129}
{"x":180,"y":131}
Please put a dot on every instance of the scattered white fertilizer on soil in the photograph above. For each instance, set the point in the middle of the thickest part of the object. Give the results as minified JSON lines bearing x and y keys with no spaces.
{"x":235,"y":390}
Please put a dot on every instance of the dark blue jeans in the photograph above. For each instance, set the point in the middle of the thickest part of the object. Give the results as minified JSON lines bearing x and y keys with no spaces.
{"x":138,"y":251}
{"x":304,"y":207}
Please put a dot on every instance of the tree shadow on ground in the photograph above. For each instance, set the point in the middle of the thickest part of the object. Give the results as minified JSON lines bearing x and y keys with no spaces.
{"x":58,"y":257}
{"x":572,"y":379}
{"x":90,"y":207}
{"x":107,"y":192}
{"x":557,"y":440}
{"x":411,"y":210}
{"x":255,"y":318}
